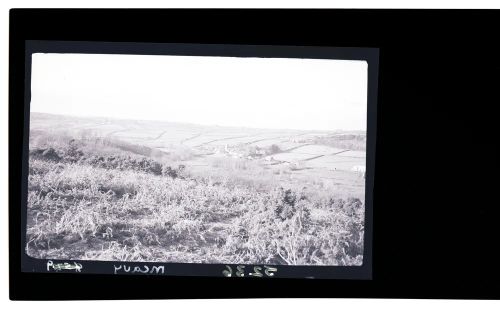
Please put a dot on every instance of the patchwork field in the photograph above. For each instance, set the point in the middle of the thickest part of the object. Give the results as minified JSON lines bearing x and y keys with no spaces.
{"x":112,"y":189}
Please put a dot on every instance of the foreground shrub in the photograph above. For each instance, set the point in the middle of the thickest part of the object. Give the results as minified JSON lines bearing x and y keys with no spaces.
{"x":73,"y":154}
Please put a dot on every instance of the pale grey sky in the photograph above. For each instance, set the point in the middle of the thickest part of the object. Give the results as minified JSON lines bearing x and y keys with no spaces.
{"x":281,"y":93}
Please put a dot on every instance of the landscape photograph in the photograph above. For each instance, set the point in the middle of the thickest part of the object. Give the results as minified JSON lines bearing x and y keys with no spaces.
{"x":184,"y":159}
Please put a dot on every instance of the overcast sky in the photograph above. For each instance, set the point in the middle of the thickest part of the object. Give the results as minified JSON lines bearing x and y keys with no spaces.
{"x":281,"y":93}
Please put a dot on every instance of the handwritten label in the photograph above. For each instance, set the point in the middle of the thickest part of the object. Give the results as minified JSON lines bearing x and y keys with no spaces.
{"x":145,"y":269}
{"x":64,"y":266}
{"x":256,"y":271}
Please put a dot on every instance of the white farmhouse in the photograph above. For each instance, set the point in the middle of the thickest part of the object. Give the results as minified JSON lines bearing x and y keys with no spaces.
{"x":360,"y":169}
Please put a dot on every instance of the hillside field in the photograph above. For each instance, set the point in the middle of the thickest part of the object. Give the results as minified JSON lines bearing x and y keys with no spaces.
{"x":110,"y":189}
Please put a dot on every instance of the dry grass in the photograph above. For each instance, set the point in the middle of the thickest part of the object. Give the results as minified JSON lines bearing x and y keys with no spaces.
{"x":80,"y":208}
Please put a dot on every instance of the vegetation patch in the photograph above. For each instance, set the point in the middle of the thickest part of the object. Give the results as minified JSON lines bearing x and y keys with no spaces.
{"x":87,"y":202}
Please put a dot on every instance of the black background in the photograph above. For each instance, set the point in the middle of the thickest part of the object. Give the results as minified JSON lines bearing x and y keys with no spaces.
{"x":435,"y":201}
{"x":370,"y":55}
